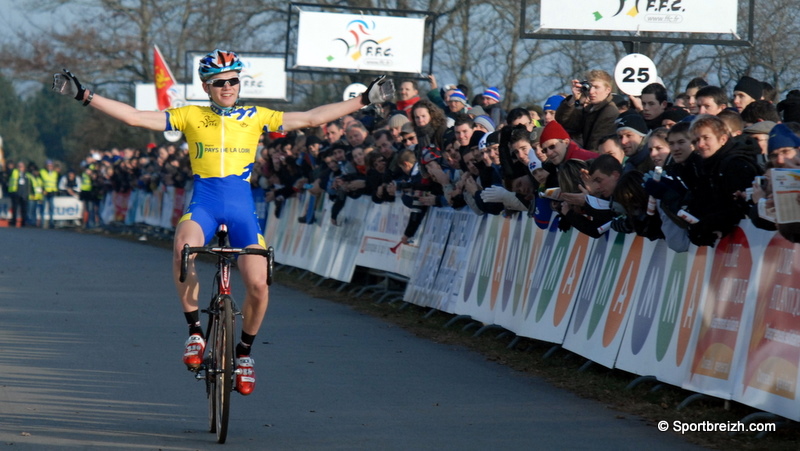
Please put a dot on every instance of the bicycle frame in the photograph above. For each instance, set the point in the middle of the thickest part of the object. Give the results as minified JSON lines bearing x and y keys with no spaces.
{"x":218,"y":364}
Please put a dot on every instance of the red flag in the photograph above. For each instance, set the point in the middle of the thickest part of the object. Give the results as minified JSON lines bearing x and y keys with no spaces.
{"x":164,"y":80}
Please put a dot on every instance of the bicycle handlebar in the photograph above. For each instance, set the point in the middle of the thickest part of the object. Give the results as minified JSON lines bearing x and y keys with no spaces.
{"x":226,"y":252}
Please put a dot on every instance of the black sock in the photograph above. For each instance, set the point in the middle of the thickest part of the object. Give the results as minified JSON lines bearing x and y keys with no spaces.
{"x":243,"y":348}
{"x":193,"y":320}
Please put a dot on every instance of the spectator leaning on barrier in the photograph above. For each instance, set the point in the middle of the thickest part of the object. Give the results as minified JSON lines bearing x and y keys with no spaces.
{"x":611,"y":145}
{"x":729,"y":165}
{"x":69,"y":185}
{"x":559,"y":148}
{"x":631,"y":130}
{"x":631,"y":195}
{"x":760,"y":133}
{"x":659,"y":148}
{"x":783,"y":145}
{"x":589,"y":113}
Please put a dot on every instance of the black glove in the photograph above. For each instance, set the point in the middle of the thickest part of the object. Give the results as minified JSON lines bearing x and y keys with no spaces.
{"x":65,"y":83}
{"x":622,"y":224}
{"x":700,"y":235}
{"x":380,"y":90}
{"x":563,"y":223}
{"x":665,"y":186}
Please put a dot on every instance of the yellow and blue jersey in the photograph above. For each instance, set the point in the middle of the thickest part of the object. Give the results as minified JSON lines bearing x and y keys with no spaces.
{"x":223,"y":147}
{"x":223,"y":144}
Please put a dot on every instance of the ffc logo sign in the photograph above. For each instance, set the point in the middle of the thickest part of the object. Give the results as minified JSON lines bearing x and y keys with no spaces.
{"x":632,"y":8}
{"x":360,"y":41}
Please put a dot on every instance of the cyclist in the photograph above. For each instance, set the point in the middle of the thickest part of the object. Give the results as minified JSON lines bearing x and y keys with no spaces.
{"x":223,"y":138}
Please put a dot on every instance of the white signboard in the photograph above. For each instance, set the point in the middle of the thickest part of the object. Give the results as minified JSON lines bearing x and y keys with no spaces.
{"x":261,"y":78}
{"x":353,"y":41}
{"x":667,"y":16}
{"x":634,"y":72}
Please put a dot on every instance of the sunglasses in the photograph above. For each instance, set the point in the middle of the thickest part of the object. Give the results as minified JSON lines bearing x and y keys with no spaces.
{"x":220,"y":83}
{"x":550,"y":148}
{"x":410,"y":138}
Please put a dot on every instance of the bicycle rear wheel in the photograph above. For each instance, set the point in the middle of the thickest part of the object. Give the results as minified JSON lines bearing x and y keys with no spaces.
{"x":224,"y":367}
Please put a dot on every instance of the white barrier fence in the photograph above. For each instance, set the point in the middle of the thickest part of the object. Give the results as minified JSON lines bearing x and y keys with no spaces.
{"x":721,"y":321}
{"x":65,"y":208}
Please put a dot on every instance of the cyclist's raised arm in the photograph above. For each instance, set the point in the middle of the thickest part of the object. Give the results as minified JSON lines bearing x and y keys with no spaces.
{"x":152,"y":120}
{"x":380,"y":90}
{"x":67,"y":84}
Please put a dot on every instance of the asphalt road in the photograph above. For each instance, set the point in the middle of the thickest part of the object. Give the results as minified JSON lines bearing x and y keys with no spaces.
{"x":91,"y":336}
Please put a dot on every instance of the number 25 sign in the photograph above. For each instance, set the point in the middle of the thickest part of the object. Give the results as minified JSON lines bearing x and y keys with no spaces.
{"x":634,"y":72}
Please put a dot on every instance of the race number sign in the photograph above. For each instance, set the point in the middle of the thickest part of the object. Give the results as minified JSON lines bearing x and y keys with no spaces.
{"x":634,"y":72}
{"x":353,"y":90}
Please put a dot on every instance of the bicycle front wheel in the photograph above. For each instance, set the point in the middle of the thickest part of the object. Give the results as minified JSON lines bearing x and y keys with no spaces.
{"x":225,"y":363}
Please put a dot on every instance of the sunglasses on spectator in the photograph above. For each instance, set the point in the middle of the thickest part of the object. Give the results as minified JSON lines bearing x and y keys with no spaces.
{"x":550,"y":148}
{"x":220,"y":83}
{"x":410,"y":138}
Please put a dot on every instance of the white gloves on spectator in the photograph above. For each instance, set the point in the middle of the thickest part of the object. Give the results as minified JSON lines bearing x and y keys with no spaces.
{"x":504,"y":196}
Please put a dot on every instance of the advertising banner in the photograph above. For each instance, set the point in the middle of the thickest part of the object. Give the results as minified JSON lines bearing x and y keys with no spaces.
{"x":667,"y":16}
{"x":360,"y":42}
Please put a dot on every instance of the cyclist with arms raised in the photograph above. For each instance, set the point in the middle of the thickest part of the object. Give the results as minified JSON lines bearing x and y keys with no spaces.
{"x":223,"y":140}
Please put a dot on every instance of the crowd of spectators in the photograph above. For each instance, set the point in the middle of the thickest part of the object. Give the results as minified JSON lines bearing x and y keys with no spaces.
{"x":32,"y":189}
{"x":686,"y":169}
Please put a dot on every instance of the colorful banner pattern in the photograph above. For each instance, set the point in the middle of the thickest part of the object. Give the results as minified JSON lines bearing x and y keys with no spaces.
{"x":720,"y":321}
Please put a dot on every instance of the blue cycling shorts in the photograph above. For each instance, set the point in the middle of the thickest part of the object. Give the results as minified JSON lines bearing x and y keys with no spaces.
{"x":226,"y":201}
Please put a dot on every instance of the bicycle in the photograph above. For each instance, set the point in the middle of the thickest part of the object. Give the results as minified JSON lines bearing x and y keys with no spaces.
{"x":218,"y":367}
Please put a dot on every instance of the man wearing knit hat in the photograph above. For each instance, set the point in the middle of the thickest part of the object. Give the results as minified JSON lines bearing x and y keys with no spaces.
{"x":783,"y":145}
{"x":746,"y":91}
{"x":558,"y":146}
{"x":760,"y":132}
{"x":484,"y":123}
{"x":631,"y":129}
{"x":456,"y":103}
{"x":491,"y":96}
{"x":395,"y":124}
{"x":550,"y":106}
{"x":491,"y":103}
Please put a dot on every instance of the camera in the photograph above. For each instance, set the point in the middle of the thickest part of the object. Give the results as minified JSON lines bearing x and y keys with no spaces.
{"x":585,"y":86}
{"x":762,"y":182}
{"x":402,"y":185}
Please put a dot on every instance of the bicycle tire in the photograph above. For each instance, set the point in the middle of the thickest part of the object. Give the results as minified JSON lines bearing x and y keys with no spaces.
{"x":211,"y":370}
{"x":225,"y":364}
